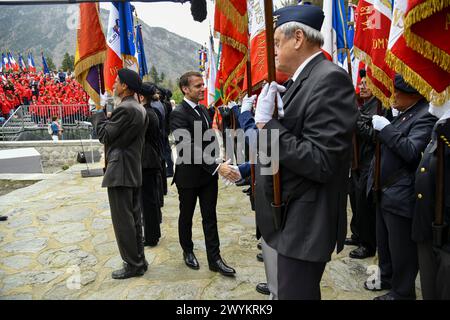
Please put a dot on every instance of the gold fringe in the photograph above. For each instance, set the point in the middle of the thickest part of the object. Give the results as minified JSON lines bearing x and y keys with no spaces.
{"x":378,"y":74}
{"x":87,"y":63}
{"x":385,"y":101}
{"x":233,"y":43}
{"x":415,"y":80}
{"x":423,"y":11}
{"x":230,"y":12}
{"x":232,"y":77}
{"x":427,"y":49}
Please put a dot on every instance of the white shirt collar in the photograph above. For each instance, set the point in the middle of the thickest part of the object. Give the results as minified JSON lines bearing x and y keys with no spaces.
{"x":303,"y":65}
{"x":189,"y":102}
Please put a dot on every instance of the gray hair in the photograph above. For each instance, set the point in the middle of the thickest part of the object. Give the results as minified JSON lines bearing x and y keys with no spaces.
{"x":311,"y":34}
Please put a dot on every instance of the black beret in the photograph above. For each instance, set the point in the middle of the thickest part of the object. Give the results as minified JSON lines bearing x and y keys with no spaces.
{"x":131,"y":79}
{"x":307,"y":14}
{"x":401,"y":85}
{"x":148,"y":89}
{"x":362,"y":73}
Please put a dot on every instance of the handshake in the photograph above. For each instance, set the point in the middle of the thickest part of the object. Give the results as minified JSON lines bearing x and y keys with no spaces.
{"x":229,"y":173}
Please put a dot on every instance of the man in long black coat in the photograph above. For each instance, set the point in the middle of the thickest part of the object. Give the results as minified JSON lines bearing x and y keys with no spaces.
{"x":123,"y":134}
{"x":314,"y":144}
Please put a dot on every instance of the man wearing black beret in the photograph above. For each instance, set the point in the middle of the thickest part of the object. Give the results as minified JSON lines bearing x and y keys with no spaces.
{"x":123,"y":135}
{"x":316,"y":118}
{"x":402,"y":142}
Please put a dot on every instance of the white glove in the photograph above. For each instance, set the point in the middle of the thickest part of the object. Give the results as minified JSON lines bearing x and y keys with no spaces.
{"x":379,"y":122}
{"x":440,"y":111}
{"x":266,"y":102}
{"x":394,"y":112}
{"x":231,"y":104}
{"x":247,"y":103}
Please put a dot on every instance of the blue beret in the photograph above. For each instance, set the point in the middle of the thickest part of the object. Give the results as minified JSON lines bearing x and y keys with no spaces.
{"x":401,"y":85}
{"x":131,"y":79}
{"x":307,"y":14}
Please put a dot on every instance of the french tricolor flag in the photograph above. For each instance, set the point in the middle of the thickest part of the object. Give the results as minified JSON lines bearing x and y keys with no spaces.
{"x":31,"y":65}
{"x":334,"y":30}
{"x":13,"y":62}
{"x":22,"y":64}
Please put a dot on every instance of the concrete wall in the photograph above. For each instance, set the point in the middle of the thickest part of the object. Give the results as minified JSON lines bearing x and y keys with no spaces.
{"x":56,"y":154}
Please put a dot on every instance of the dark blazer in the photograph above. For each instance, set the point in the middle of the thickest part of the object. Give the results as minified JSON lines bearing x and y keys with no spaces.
{"x":425,"y":185}
{"x":152,"y":153}
{"x":197,"y":172}
{"x":315,"y":139}
{"x":123,"y":134}
{"x":402,"y":144}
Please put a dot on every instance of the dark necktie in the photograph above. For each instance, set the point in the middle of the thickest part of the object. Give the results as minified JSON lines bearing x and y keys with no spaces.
{"x":200,"y":113}
{"x":287,"y":85}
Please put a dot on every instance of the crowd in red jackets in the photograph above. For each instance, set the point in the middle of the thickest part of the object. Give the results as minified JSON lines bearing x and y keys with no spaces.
{"x":38,"y":90}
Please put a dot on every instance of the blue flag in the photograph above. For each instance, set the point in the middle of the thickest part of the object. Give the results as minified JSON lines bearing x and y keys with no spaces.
{"x":44,"y":65}
{"x":127,"y":41}
{"x":143,"y":70}
{"x":340,"y":26}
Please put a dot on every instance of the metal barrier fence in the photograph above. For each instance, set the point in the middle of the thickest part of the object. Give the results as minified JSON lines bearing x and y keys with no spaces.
{"x":38,"y":116}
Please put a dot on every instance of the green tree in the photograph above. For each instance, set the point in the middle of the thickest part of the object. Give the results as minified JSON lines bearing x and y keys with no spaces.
{"x":50,"y":63}
{"x":162,"y":77}
{"x":177,"y":95}
{"x":68,"y":62}
{"x":154,"y":75}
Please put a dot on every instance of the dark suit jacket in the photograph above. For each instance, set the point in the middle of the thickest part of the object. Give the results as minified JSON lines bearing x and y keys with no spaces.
{"x":315,"y":138}
{"x":199,"y":171}
{"x":402,"y":144}
{"x":123,"y":135}
{"x":424,"y":210}
{"x":152,"y":153}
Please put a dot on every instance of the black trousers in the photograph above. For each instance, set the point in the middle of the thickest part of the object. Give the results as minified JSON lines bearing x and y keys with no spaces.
{"x":397,"y":254}
{"x":168,"y":156}
{"x":299,"y":279}
{"x":151,"y":209}
{"x":434,"y":266}
{"x":366,"y":212}
{"x":126,"y":215}
{"x":352,"y":195}
{"x":207,"y":196}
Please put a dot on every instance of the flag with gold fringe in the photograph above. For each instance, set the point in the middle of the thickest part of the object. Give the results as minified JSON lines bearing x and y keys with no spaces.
{"x":426,"y":75}
{"x":371,"y":39}
{"x":231,"y":21}
{"x":90,"y":51}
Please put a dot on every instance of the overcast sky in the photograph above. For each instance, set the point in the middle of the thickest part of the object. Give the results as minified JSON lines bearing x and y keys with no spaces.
{"x":177,"y":18}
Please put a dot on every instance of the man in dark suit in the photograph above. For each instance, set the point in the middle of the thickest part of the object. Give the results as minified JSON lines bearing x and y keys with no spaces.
{"x":434,"y":256}
{"x":151,"y":170}
{"x":316,"y":120}
{"x":123,"y":135}
{"x":196,"y":173}
{"x":402,"y":142}
{"x":363,"y":220}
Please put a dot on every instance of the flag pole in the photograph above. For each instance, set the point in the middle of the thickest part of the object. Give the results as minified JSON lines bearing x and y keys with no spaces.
{"x":276,"y":205}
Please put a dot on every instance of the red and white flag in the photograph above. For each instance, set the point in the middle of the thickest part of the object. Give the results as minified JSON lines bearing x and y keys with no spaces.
{"x":258,"y":50}
{"x":425,"y":75}
{"x":113,"y":60}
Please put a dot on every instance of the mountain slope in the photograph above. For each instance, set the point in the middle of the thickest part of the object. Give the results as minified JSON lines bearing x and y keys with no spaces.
{"x":52,"y":29}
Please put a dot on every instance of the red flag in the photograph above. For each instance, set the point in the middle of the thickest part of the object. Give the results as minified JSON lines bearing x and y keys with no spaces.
{"x":231,"y":22}
{"x":427,"y":77}
{"x":370,"y":44}
{"x":427,"y":30}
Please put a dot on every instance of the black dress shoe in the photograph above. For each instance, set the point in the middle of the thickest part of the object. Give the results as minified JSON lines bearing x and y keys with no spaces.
{"x":387,"y":296}
{"x":220,"y":266}
{"x":190,"y":260}
{"x":259,"y":257}
{"x":129,"y":272}
{"x":361,"y":253}
{"x":377,"y":286}
{"x":150,"y":243}
{"x":259,"y":246}
{"x":263,"y":288}
{"x":3,"y":218}
{"x":351,"y":242}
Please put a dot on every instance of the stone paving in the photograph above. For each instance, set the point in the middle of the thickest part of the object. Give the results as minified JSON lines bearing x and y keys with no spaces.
{"x":58,"y":243}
